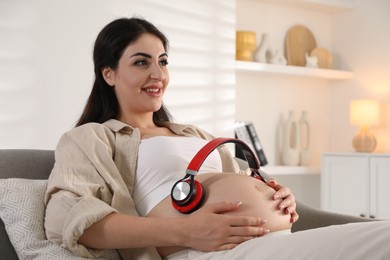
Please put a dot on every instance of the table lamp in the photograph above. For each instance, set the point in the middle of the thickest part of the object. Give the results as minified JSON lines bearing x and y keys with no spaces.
{"x":364,"y":113}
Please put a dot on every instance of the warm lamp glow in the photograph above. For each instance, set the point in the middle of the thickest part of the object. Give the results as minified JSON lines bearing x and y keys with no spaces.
{"x":364,"y":113}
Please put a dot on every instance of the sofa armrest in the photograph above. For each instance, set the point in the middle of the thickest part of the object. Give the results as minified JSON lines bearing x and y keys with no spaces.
{"x":310,"y":217}
{"x":6,"y":248}
{"x":27,"y":164}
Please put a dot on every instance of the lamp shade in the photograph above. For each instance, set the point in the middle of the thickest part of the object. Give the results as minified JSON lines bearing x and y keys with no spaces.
{"x":364,"y":112}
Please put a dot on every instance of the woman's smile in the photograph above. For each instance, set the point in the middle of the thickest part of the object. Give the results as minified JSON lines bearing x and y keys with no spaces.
{"x":153,"y":91}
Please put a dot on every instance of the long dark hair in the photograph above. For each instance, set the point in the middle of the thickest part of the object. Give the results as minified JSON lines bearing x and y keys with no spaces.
{"x":110,"y":44}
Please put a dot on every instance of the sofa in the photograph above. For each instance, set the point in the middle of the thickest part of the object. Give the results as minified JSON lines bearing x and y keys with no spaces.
{"x":30,"y":166}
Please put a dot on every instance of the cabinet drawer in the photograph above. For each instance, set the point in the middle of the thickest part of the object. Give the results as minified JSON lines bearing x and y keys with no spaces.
{"x":379,"y":187}
{"x":344,"y":184}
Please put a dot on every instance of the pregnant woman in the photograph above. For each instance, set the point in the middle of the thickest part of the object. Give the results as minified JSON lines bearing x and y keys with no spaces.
{"x":111,"y":183}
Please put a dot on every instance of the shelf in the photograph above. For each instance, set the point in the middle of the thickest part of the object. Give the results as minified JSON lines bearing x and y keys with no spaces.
{"x":290,"y":170}
{"x":327,"y":6}
{"x":255,"y":67}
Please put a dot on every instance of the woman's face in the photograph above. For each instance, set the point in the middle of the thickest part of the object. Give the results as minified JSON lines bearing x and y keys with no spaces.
{"x":141,"y":77}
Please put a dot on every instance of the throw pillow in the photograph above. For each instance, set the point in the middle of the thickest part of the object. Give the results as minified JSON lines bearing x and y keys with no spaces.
{"x":22,"y":210}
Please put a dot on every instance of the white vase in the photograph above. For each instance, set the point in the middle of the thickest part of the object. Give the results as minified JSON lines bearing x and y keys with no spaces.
{"x":291,"y":141}
{"x":263,"y":52}
{"x":305,"y":146}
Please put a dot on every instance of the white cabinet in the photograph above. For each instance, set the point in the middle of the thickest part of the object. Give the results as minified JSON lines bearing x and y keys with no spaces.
{"x":379,"y":186}
{"x":356,"y":184}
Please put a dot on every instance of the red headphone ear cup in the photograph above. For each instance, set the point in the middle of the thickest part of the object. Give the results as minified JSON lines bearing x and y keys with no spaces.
{"x":194,"y":202}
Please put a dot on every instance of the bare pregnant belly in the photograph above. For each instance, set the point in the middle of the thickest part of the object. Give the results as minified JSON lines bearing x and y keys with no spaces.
{"x":255,"y":195}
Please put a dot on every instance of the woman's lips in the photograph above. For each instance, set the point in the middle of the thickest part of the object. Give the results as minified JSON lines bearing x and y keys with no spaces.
{"x":152,"y":91}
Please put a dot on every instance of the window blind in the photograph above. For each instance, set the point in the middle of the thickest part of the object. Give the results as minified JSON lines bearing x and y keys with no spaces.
{"x":46,"y":64}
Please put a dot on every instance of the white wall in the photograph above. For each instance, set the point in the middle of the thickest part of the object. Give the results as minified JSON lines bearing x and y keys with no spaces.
{"x":46,"y":68}
{"x":266,"y":99}
{"x":362,"y":37}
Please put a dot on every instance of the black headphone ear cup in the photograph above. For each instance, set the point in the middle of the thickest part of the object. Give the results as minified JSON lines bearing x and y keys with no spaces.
{"x":193,"y":201}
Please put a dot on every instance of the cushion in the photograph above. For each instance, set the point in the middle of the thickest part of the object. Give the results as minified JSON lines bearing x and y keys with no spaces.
{"x":22,"y":210}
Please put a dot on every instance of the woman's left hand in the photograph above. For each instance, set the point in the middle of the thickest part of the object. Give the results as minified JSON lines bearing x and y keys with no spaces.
{"x":288,"y":204}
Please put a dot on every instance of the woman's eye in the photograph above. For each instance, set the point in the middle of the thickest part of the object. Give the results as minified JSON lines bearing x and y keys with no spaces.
{"x":141,"y":63}
{"x":164,"y":62}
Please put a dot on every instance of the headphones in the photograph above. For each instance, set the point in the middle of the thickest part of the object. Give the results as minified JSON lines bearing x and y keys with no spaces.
{"x":187,"y":194}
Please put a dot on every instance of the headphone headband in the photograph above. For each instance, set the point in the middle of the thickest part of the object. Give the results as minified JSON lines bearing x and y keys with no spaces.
{"x":197,"y":161}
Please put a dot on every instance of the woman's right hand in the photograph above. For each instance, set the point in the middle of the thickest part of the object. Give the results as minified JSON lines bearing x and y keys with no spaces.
{"x":208,"y":229}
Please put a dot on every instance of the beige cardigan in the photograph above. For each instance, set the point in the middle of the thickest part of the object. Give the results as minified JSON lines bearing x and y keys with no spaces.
{"x":93,"y":176}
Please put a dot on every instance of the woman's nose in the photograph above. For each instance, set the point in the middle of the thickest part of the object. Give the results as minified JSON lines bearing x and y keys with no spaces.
{"x":157,"y":73}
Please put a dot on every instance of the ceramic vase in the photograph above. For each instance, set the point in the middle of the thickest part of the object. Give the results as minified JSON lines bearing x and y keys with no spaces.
{"x":263,"y":52}
{"x":305,"y":146}
{"x":291,"y":141}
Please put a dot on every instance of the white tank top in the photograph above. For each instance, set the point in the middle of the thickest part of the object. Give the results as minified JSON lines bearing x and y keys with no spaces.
{"x":162,"y":161}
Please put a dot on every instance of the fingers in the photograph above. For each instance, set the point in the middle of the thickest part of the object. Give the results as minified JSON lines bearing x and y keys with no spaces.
{"x":244,"y":228}
{"x":294,"y":217}
{"x":240,"y":225}
{"x":237,"y":221}
{"x":254,"y":231}
{"x":289,"y":209}
{"x":288,"y":206}
{"x":288,"y":203}
{"x":272,"y":183}
{"x":282,"y":192}
{"x":292,"y":211}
